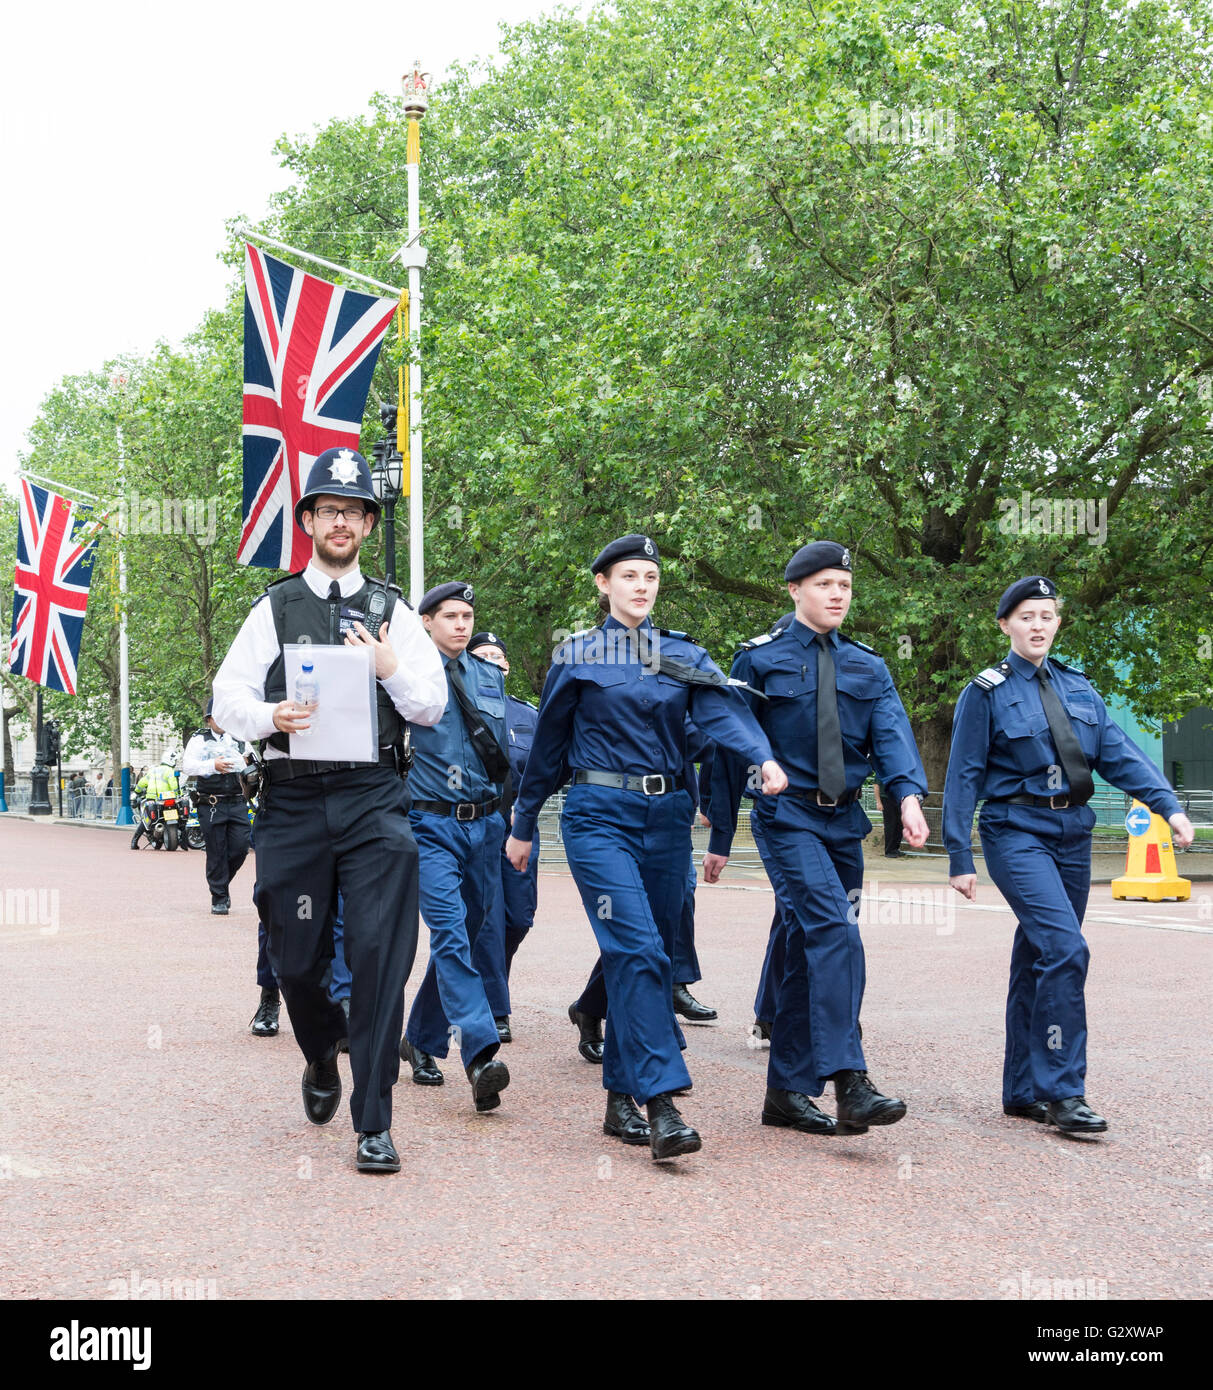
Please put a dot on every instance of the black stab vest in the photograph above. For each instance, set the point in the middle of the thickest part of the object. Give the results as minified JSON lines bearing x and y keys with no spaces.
{"x":299,"y":616}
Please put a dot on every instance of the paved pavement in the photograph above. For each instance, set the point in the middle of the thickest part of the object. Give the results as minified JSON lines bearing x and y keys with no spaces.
{"x":146,"y":1136}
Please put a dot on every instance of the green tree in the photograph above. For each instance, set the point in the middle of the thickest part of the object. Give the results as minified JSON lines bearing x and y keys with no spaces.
{"x":744,"y":274}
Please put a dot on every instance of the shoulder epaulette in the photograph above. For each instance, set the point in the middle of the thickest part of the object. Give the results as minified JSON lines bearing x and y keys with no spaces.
{"x":992,"y":676}
{"x":669,"y":632}
{"x":761,"y":640}
{"x":1072,"y":669}
{"x":273,"y":584}
{"x":863,"y":646}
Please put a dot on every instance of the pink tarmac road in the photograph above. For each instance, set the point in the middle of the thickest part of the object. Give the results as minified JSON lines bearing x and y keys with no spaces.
{"x":146,"y":1135}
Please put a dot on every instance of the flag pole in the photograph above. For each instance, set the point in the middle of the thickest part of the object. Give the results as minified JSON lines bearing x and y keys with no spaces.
{"x":124,"y":816}
{"x":412,"y":256}
{"x":318,"y":260}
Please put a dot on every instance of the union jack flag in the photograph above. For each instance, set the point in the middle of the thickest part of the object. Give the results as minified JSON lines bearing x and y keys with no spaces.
{"x":55,"y":552}
{"x":309,"y":351}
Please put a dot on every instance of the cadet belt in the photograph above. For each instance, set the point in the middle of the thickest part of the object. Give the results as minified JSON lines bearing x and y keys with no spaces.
{"x":214,"y":800}
{"x":286,"y":769}
{"x":1054,"y":803}
{"x":651,"y":783}
{"x":816,"y":797}
{"x":461,"y":810}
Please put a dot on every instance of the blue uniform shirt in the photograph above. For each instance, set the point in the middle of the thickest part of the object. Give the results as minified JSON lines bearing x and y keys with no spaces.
{"x":602,"y":709}
{"x":1001,"y":746}
{"x":876,"y":731}
{"x":521,"y":718}
{"x":446,"y":766}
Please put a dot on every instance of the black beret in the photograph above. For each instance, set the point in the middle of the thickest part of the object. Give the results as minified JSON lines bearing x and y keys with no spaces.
{"x":1034,"y":586}
{"x":457,"y":588}
{"x":817,"y":555}
{"x":486,"y":639}
{"x":625,"y":548}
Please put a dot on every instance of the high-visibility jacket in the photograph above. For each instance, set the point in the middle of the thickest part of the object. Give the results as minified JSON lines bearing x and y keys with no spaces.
{"x":162,"y":782}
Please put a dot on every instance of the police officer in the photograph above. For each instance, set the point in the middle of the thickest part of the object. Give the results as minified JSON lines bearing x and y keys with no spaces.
{"x":324,"y":825}
{"x":459,"y":770}
{"x":614,"y":711}
{"x":499,"y":939}
{"x":1026,"y":736}
{"x":216,"y":764}
{"x":832,"y":714}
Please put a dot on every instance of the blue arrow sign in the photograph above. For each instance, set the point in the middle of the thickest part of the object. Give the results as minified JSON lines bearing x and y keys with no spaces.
{"x":1137,"y":822}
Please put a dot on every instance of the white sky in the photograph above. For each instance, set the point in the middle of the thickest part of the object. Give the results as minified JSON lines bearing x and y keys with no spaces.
{"x":130,"y":132}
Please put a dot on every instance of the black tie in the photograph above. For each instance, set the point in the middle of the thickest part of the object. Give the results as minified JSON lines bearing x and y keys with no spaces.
{"x":1065,"y":740}
{"x":484,"y":741}
{"x":831,"y":771}
{"x":334,"y":592}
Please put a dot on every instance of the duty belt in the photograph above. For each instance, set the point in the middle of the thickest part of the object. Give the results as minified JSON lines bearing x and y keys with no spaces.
{"x":650,"y":783}
{"x":461,"y":810}
{"x":1054,"y":803}
{"x":287,"y":769}
{"x":206,"y":799}
{"x":816,"y":797}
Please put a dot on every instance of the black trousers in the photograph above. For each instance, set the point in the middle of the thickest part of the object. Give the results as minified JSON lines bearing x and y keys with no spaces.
{"x":225,"y":829}
{"x":344,"y":830}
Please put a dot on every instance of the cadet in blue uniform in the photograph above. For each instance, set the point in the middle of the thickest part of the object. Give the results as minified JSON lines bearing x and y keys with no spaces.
{"x":327,"y":825}
{"x":1025,"y":738}
{"x":459,"y":768}
{"x":614,"y":711}
{"x":495,"y":949}
{"x":831,"y":713}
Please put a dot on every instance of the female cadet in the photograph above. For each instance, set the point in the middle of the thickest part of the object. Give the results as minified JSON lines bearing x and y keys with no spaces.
{"x":1025,"y":737}
{"x":613,"y":711}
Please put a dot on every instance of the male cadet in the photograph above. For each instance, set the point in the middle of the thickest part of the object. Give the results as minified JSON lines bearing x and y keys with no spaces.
{"x":216,"y":763}
{"x":459,"y":769}
{"x":831,"y":714}
{"x":328,"y":825}
{"x":495,"y":949}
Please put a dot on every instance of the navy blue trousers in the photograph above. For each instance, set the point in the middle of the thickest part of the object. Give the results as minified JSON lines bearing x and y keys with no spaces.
{"x":628,"y":856}
{"x":346,"y":831}
{"x":512,"y":917}
{"x":814,"y":859}
{"x":1040,"y":861}
{"x":460,"y":897}
{"x":678,"y":937}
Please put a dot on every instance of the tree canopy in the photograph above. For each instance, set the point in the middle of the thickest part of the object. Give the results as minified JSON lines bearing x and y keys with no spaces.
{"x":932,"y":279}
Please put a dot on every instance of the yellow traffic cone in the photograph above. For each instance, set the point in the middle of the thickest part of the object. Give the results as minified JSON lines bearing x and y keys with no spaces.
{"x":1150,"y":864}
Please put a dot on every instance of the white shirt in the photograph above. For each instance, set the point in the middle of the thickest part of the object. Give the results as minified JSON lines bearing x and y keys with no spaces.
{"x":417,"y":688}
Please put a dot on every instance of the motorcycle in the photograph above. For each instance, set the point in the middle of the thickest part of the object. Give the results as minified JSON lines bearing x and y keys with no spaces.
{"x":194,"y":838}
{"x":161,"y":822}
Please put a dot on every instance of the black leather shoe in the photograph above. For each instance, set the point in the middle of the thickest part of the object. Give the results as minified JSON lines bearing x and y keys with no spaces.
{"x":590,"y":1043}
{"x":265,"y":1020}
{"x":859,"y":1104}
{"x":377,"y":1153}
{"x":1075,"y":1116}
{"x":624,"y":1121}
{"x":792,"y":1110}
{"x":1036,"y":1110}
{"x":503,"y":1029}
{"x":760,"y":1030}
{"x":489,"y":1078}
{"x":219,"y":908}
{"x":344,"y":1044}
{"x":690,"y":1008}
{"x":322,"y":1089}
{"x":670,"y":1134}
{"x":425,"y":1069}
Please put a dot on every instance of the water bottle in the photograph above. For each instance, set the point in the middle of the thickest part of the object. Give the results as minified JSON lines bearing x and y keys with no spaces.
{"x":307,"y":691}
